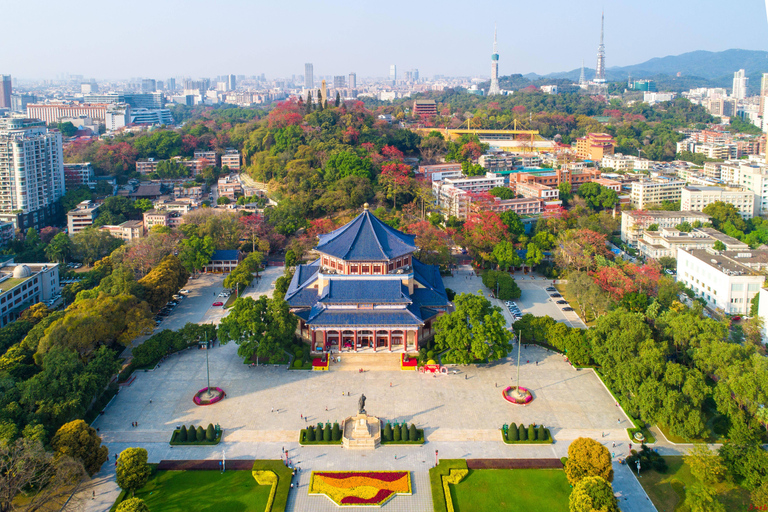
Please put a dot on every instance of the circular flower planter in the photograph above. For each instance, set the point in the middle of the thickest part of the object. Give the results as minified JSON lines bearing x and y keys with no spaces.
{"x":208,"y":396}
{"x":512,"y":395}
{"x":639,"y":437}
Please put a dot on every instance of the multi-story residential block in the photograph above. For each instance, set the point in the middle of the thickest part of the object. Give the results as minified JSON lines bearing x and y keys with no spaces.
{"x":609,"y":184}
{"x":718,"y":151}
{"x":82,"y":216}
{"x":723,"y":279}
{"x":79,"y":175}
{"x":52,"y":112}
{"x":439,"y":172}
{"x":696,"y":198}
{"x":538,"y":191}
{"x":452,"y":200}
{"x":666,"y":241}
{"x":147,"y":166}
{"x":194,"y":192}
{"x":151,"y":116}
{"x":633,"y":223}
{"x":501,"y":162}
{"x":231,"y":159}
{"x":625,"y":163}
{"x":655,"y":191}
{"x":210,"y":156}
{"x":31,"y":173}
{"x":230,"y":187}
{"x":165,"y":218}
{"x":595,"y":146}
{"x":128,"y":230}
{"x":755,"y":179}
{"x":521,"y":206}
{"x":472,"y":184}
{"x":25,"y":284}
{"x":7,"y":232}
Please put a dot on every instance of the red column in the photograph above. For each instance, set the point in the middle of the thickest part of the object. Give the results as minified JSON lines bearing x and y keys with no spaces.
{"x":374,"y":340}
{"x":389,"y":339}
{"x":325,"y":338}
{"x":312,"y":340}
{"x":355,"y":342}
{"x":339,"y":340}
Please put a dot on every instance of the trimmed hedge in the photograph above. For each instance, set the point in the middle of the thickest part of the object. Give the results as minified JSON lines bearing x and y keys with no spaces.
{"x":402,"y":434}
{"x":280,"y":500}
{"x":531,"y":435}
{"x":436,"y":475}
{"x":196,"y":436}
{"x":305,"y":440}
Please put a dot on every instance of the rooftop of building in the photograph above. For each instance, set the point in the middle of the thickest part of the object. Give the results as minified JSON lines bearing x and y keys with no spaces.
{"x":657,"y":214}
{"x":706,"y":188}
{"x":84,"y":208}
{"x":732,"y":263}
{"x":366,"y":238}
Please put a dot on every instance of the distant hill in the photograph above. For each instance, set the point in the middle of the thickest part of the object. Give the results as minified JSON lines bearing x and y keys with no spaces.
{"x":705,"y":69}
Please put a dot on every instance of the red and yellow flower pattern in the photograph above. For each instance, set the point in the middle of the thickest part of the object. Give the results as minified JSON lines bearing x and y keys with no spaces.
{"x":360,"y":488}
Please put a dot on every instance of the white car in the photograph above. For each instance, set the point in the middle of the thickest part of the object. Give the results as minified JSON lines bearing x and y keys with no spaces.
{"x":184,"y":291}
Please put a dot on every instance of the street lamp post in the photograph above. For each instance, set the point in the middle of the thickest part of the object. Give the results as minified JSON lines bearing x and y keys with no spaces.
{"x":436,"y":458}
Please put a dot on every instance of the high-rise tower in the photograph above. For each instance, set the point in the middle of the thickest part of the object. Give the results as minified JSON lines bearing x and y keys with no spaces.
{"x":5,"y":91}
{"x":582,"y":76}
{"x":309,"y":79}
{"x":600,"y":69}
{"x":494,"y":88}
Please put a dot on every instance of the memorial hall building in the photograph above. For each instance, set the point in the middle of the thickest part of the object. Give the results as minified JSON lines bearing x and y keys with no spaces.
{"x":366,"y":292}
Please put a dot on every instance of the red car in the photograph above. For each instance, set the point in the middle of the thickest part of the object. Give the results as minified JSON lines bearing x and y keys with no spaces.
{"x":218,"y":303}
{"x":736,"y":318}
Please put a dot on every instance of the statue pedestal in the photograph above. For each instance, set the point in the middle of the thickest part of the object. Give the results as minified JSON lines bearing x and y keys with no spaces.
{"x":361,"y":432}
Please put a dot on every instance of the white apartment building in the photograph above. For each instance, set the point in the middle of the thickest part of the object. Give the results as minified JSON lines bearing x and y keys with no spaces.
{"x":31,"y":172}
{"x":625,"y":163}
{"x":762,"y":311}
{"x":475,"y":184}
{"x":633,"y":223}
{"x":755,"y":180}
{"x":718,"y":151}
{"x":653,"y":98}
{"x":696,"y":198}
{"x":656,"y":191}
{"x":720,"y":278}
{"x":231,"y":158}
{"x":81,"y":217}
{"x":666,"y":241}
{"x":452,"y":200}
{"x":439,"y":172}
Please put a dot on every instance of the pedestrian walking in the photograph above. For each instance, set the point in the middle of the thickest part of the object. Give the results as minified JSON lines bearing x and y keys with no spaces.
{"x":614,"y":444}
{"x":150,"y":400}
{"x":630,"y":446}
{"x":326,"y":408}
{"x":273,"y":409}
{"x":465,"y":376}
{"x":94,"y":495}
{"x":618,"y":421}
{"x":302,"y":416}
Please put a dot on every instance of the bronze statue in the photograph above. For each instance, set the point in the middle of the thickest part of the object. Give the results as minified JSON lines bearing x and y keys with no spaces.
{"x":361,"y":405}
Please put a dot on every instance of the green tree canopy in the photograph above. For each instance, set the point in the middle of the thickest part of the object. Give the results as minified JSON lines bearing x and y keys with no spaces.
{"x":588,"y":458}
{"x":592,"y":494}
{"x":132,"y":469}
{"x":476,"y":330}
{"x":260,"y":328}
{"x":80,"y":441}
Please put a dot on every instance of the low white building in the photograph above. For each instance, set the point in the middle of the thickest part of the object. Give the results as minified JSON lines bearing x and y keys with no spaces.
{"x":25,"y":284}
{"x":720,"y":278}
{"x":666,"y":241}
{"x":633,"y":223}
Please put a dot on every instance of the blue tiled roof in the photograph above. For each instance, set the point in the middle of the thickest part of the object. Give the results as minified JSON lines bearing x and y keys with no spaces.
{"x":429,"y":277}
{"x":354,"y":291}
{"x":303,"y":276}
{"x":225,"y":255}
{"x":428,"y":297}
{"x":366,"y":238}
{"x":357,"y":317}
{"x":303,"y":298}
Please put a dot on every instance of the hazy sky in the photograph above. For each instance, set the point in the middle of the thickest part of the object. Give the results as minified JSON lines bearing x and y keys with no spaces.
{"x":163,"y":38}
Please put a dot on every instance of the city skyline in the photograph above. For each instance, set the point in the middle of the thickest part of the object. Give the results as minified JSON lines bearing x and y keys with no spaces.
{"x":557,"y":43}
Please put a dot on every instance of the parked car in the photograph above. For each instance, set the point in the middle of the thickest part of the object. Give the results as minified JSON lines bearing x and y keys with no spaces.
{"x":184,"y":291}
{"x":567,"y":309}
{"x":551,"y":289}
{"x":555,"y":295}
{"x":562,"y":302}
{"x":218,"y":303}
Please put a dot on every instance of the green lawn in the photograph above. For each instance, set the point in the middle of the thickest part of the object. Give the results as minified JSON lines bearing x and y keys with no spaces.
{"x":204,"y":491}
{"x":513,"y":490}
{"x":667,"y":491}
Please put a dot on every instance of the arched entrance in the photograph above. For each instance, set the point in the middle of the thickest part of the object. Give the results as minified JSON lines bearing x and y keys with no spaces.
{"x":332,"y":340}
{"x":382,"y":339}
{"x":348,"y":340}
{"x":365,"y":339}
{"x":398,"y":337}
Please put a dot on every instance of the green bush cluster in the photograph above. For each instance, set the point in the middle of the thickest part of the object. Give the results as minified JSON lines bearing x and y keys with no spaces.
{"x":648,"y":458}
{"x":321,"y":434}
{"x":508,"y":289}
{"x":402,"y":433}
{"x":519,"y":433}
{"x":195,"y":435}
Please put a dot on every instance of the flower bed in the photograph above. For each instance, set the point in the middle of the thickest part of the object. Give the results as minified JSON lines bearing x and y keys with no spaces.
{"x":360,"y":488}
{"x":319,"y":365}
{"x":411,"y":364}
{"x":199,"y":400}
{"x":507,"y":394}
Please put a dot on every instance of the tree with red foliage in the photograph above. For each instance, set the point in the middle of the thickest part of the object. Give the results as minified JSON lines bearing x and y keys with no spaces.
{"x":262,"y":235}
{"x":115,"y":158}
{"x":391,"y":153}
{"x":286,"y":113}
{"x":519,"y":110}
{"x":433,"y":243}
{"x":320,"y":227}
{"x":47,"y":234}
{"x":614,"y":281}
{"x":471,"y":151}
{"x":577,"y":249}
{"x":395,"y":178}
{"x":481,"y":232}
{"x":189,"y":144}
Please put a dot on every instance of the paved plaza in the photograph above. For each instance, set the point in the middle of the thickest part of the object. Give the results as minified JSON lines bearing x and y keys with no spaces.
{"x":266,"y":406}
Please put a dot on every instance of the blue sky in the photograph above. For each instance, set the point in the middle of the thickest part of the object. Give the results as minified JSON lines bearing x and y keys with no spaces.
{"x":163,"y":38}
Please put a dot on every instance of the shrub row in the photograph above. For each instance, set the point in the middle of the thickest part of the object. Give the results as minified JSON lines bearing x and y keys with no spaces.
{"x":521,"y":434}
{"x":402,"y":434}
{"x":167,"y":342}
{"x":192,"y":435}
{"x":436,"y":475}
{"x":321,"y":434}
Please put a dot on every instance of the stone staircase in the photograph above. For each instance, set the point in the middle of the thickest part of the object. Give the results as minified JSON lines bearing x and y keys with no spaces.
{"x":381,"y":362}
